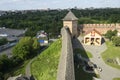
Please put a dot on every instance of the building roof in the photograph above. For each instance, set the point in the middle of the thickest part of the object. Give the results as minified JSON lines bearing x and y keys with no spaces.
{"x":93,"y":30}
{"x":70,"y":16}
{"x":11,"y":32}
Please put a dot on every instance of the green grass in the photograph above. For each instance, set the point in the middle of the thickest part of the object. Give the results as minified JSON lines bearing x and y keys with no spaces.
{"x":116,"y":79}
{"x":45,"y":66}
{"x":83,"y":53}
{"x":111,"y":53}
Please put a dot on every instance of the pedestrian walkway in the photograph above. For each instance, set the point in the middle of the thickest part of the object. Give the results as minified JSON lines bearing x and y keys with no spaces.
{"x":27,"y":69}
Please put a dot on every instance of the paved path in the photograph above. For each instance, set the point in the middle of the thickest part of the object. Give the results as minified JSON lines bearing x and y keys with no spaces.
{"x":28,"y":70}
{"x":108,"y":72}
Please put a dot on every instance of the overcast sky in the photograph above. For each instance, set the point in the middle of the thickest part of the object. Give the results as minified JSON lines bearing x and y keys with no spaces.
{"x":53,"y":4}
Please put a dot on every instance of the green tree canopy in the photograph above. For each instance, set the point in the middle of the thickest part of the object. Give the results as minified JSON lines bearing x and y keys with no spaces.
{"x":110,"y":34}
{"x":116,"y":40}
{"x":25,"y":47}
{"x":51,"y":22}
{"x":3,"y":41}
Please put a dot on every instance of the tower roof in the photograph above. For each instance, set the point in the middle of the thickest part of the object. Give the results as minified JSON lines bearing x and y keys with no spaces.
{"x":70,"y":16}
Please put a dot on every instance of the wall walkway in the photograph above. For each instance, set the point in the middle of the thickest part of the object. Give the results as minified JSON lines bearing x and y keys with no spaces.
{"x":66,"y":63}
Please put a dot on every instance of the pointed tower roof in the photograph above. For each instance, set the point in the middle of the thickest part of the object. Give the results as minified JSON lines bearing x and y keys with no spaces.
{"x":70,"y":16}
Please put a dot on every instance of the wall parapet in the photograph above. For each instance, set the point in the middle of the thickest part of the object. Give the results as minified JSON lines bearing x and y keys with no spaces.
{"x":117,"y":25}
{"x":66,"y":62}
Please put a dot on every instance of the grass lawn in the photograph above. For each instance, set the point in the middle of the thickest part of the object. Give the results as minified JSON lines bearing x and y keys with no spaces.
{"x":17,"y":70}
{"x":83,"y":53}
{"x":111,"y":53}
{"x":45,"y":66}
{"x":116,"y":79}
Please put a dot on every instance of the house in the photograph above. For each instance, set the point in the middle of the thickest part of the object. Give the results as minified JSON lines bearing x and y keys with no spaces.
{"x":93,"y":37}
{"x":42,"y":37}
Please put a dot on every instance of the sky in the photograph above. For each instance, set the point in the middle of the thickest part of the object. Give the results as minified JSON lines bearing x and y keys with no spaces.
{"x":54,"y":4}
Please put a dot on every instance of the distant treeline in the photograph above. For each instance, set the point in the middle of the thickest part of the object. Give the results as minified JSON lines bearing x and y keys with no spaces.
{"x":51,"y":20}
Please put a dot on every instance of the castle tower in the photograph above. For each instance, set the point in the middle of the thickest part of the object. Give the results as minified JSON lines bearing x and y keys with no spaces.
{"x":70,"y":21}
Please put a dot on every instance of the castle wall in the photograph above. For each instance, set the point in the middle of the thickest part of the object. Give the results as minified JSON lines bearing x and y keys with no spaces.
{"x":102,"y":28}
{"x":66,"y":62}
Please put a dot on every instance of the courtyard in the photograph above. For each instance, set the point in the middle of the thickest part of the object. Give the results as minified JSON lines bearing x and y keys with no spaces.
{"x":97,"y":59}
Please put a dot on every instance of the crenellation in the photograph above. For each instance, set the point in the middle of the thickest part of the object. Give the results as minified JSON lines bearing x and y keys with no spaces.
{"x":103,"y":28}
{"x":97,"y":25}
{"x":112,"y":25}
{"x":101,"y":25}
{"x":94,"y":25}
{"x":107,"y":25}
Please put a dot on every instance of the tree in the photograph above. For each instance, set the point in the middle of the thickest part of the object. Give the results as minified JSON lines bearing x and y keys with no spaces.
{"x":3,"y":41}
{"x":36,"y":45}
{"x":1,"y":76}
{"x":26,"y":47}
{"x":115,"y":32}
{"x":5,"y":62}
{"x":1,"y":65}
{"x":110,"y":34}
{"x":23,"y":48}
{"x":116,"y":41}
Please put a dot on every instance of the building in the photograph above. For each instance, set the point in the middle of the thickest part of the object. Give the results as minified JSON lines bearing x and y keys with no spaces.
{"x":102,"y":28}
{"x":70,"y":21}
{"x":93,"y":37}
{"x":42,"y":37}
{"x":11,"y":34}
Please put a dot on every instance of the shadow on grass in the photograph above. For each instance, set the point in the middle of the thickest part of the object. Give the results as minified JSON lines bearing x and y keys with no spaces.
{"x":80,"y":62}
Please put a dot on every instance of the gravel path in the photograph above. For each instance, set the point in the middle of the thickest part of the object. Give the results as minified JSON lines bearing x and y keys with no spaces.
{"x":108,"y":72}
